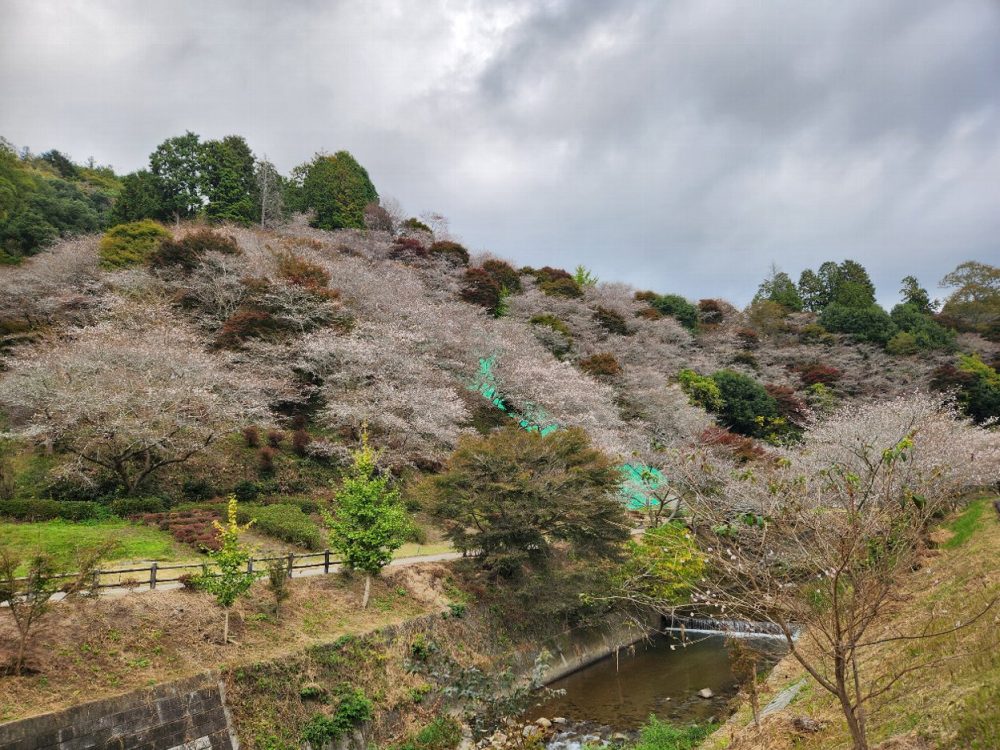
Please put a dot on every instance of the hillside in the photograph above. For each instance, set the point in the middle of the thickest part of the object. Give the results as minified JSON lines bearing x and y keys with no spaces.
{"x":333,"y":330}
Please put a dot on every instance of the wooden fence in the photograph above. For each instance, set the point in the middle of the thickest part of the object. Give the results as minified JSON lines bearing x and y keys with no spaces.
{"x":154,"y":574}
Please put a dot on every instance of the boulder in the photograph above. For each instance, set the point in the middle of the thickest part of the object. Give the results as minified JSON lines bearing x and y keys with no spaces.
{"x":543,"y":723}
{"x":705,"y":693}
{"x":559,"y":720}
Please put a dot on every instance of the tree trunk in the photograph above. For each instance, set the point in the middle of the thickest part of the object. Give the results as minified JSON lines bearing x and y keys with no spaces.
{"x":225,"y":629}
{"x":19,"y":659}
{"x":368,"y":588}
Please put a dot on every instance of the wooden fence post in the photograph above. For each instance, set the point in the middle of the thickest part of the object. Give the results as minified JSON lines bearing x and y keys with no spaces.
{"x":326,"y":561}
{"x":152,"y":576}
{"x":95,"y":583}
{"x":291,"y":561}
{"x":250,"y":565}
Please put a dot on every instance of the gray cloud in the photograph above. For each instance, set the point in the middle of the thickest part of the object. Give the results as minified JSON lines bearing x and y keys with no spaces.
{"x":682,"y":146}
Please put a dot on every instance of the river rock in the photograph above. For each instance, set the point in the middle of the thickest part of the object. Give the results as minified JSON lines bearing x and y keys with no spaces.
{"x":559,"y":720}
{"x":806,"y":724}
{"x":619,"y":737}
{"x":543,"y":723}
{"x":705,"y":693}
{"x":529,"y":729}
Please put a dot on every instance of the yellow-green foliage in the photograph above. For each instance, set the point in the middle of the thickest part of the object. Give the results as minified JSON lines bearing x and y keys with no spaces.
{"x":130,"y":244}
{"x":664,"y":563}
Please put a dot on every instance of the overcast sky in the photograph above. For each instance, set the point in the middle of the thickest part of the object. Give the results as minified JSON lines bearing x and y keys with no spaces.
{"x":677,"y":145}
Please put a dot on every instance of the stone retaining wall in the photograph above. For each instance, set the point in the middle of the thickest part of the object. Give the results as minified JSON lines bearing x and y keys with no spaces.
{"x":188,"y":714}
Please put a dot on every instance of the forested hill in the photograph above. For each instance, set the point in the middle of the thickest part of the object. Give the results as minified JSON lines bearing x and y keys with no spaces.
{"x":177,"y":305}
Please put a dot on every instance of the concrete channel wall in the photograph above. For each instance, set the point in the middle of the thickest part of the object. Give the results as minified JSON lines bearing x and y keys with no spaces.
{"x":188,"y":714}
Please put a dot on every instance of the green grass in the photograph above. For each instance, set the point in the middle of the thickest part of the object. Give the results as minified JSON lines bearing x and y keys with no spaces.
{"x":966,"y":524}
{"x":662,"y":735}
{"x":62,"y":540}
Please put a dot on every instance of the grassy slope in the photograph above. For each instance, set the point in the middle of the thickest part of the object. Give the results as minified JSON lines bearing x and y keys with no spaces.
{"x":101,"y":647}
{"x":62,"y":539}
{"x":954,"y":705}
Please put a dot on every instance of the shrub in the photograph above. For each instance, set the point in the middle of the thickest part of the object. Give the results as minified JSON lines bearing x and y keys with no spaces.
{"x":480,"y":288}
{"x":504,"y":274}
{"x":661,"y":735}
{"x":870,"y":323}
{"x":739,"y":447}
{"x":978,"y":386}
{"x":198,"y":489}
{"x":415,"y":225}
{"x":922,"y":330}
{"x":551,"y":321}
{"x":701,"y":390}
{"x":746,"y":405}
{"x":46,"y":510}
{"x":405,"y":248}
{"x":246,"y":324}
{"x":791,"y":408}
{"x":265,"y":460}
{"x":677,"y":307}
{"x":649,"y":313}
{"x":246,"y":491}
{"x":748,"y":338}
{"x":814,"y":333}
{"x":816,"y":372}
{"x":352,"y":710}
{"x":274,"y":438}
{"x":601,"y":365}
{"x":130,"y":244}
{"x":902,"y":344}
{"x":451,"y":250}
{"x":297,"y":270}
{"x":126,"y":507}
{"x":300,"y":442}
{"x":611,"y":321}
{"x":711,"y":311}
{"x":443,"y":733}
{"x":561,"y":287}
{"x":251,"y":435}
{"x":284,"y":521}
{"x":746,"y":358}
{"x":187,"y":252}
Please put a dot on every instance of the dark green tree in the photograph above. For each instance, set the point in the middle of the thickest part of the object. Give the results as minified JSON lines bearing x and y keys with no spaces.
{"x":337,"y":188}
{"x":778,"y":287}
{"x":747,"y":408}
{"x":507,"y":497}
{"x":853,"y":287}
{"x":177,"y":164}
{"x":141,"y":197}
{"x":870,"y":323}
{"x":914,"y":294}
{"x":228,"y":180}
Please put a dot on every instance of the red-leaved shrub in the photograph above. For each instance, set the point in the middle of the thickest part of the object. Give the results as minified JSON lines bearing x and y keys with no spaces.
{"x":601,"y":365}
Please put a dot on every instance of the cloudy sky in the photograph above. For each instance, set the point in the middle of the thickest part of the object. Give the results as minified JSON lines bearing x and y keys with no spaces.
{"x":680,"y":145}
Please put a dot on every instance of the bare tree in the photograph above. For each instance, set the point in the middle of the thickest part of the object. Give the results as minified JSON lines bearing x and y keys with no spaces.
{"x":269,"y":193}
{"x":132,"y":394}
{"x":819,"y":542}
{"x":28,"y":598}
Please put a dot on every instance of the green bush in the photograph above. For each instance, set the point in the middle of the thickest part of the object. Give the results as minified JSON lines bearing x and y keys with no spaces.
{"x":661,"y":735}
{"x":747,"y":408}
{"x":925,"y":332}
{"x":561,"y":288}
{"x":125,"y":507}
{"x":130,"y":244}
{"x":902,"y":344}
{"x":443,"y":733}
{"x":246,"y":491}
{"x":285,"y":522}
{"x":701,"y":390}
{"x":611,"y":321}
{"x":504,"y":274}
{"x":452,"y":250}
{"x":46,"y":510}
{"x":870,"y":323}
{"x":415,"y":225}
{"x":352,"y":710}
{"x":675,"y":306}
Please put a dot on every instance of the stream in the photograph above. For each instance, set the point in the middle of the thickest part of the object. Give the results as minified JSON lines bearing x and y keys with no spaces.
{"x":659,"y":676}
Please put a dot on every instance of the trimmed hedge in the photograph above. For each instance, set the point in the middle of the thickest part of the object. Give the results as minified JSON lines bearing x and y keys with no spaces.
{"x":285,"y":522}
{"x":46,"y":510}
{"x":125,"y":507}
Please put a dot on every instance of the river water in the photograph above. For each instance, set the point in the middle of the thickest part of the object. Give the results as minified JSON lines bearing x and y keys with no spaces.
{"x":660,"y":676}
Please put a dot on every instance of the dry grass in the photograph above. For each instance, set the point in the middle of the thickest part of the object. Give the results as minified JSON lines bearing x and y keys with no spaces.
{"x":953,"y":705}
{"x":101,"y":647}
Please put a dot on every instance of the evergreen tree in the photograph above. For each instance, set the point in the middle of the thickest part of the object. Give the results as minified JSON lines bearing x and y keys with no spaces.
{"x":228,"y":180}
{"x":914,"y":294}
{"x":337,"y":188}
{"x":141,"y":197}
{"x":177,"y":164}
{"x":778,"y":287}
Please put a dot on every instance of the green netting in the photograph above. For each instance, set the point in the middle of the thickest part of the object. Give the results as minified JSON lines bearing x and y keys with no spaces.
{"x":639,"y":482}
